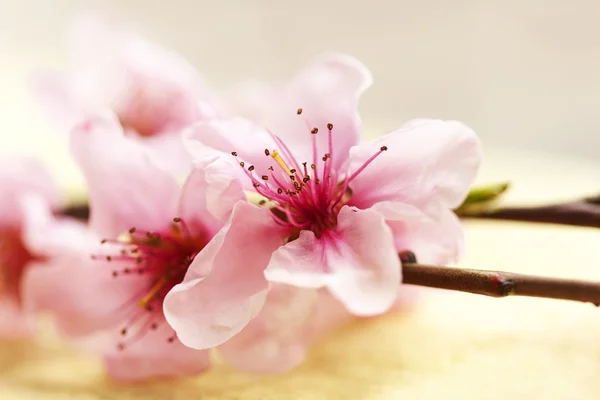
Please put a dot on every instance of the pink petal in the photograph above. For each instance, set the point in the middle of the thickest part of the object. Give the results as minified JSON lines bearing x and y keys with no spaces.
{"x":208,"y":196}
{"x":277,"y":339}
{"x":327,"y":91}
{"x":225,"y":286}
{"x":82,"y":294}
{"x":426,"y":160}
{"x":357,"y":262}
{"x":439,"y":240}
{"x":205,"y":140}
{"x":131,"y":369}
{"x":20,"y":177}
{"x":126,"y":187}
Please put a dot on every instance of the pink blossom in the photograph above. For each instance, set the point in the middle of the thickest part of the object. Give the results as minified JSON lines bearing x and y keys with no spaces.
{"x":105,"y":283}
{"x":20,"y":178}
{"x":154,"y":92}
{"x":348,"y":208}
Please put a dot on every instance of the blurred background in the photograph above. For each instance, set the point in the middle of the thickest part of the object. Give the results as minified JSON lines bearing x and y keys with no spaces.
{"x":523,"y":73}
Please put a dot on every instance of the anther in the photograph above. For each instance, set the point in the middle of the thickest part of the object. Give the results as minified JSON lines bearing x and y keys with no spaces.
{"x":262,"y":202}
{"x":120,"y":347}
{"x":265,"y":178}
{"x":103,"y":241}
{"x":256,"y":184}
{"x":306,"y":179}
{"x":124,"y":331}
{"x":299,"y":111}
{"x":251,"y":168}
{"x":171,"y":339}
{"x":267,"y":152}
{"x":241,"y":163}
{"x":154,"y":326}
{"x":314,"y":131}
{"x":234,"y":153}
{"x":330,"y":126}
{"x":271,"y":168}
{"x":279,"y":190}
{"x":176,"y":219}
{"x":132,"y":230}
{"x":293,"y":171}
{"x":383,"y":148}
{"x":126,"y":270}
{"x":115,"y":274}
{"x":108,"y":258}
{"x":313,"y":166}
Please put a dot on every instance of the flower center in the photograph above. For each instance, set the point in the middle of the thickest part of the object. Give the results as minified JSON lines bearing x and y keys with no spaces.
{"x":161,"y":261}
{"x":308,"y":194}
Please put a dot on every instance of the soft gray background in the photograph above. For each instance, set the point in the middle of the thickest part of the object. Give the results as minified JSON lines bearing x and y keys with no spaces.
{"x":523,"y":73}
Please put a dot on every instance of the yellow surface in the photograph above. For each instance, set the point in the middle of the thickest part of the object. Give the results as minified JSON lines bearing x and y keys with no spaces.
{"x":453,"y":346}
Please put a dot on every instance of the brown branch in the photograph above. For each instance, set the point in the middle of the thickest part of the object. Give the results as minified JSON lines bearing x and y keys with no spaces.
{"x":585,"y":212}
{"x":500,"y":284}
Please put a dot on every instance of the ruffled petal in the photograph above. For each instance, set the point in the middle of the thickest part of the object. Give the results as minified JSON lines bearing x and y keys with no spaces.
{"x":225,"y":286}
{"x":327,"y":91}
{"x":438,"y":240}
{"x":426,"y":161}
{"x":277,"y":339}
{"x":126,"y":187}
{"x":208,"y":196}
{"x":357,"y":262}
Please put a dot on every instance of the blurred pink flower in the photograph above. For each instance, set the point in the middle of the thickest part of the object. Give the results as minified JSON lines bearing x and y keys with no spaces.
{"x":20,"y":178}
{"x":154,"y":92}
{"x":348,"y":208}
{"x":107,"y":294}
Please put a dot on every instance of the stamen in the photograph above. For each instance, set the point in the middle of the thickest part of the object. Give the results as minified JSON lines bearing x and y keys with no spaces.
{"x":152,"y":292}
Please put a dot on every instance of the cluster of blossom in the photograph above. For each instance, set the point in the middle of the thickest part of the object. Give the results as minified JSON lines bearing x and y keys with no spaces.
{"x":178,"y":259}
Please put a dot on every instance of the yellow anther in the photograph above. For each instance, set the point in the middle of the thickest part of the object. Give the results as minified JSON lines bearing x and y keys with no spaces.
{"x":275,"y":155}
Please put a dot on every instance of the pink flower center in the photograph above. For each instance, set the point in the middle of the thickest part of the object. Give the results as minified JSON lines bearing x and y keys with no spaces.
{"x":13,"y":258}
{"x":161,"y":260}
{"x":305,"y":197}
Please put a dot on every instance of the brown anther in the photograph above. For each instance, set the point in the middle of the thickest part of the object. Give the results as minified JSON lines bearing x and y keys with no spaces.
{"x":306,"y":179}
{"x":241,"y":163}
{"x":149,"y":308}
{"x":115,"y":274}
{"x":318,"y":181}
{"x":131,"y":230}
{"x":314,"y":131}
{"x":304,"y":163}
{"x":256,"y":184}
{"x":383,"y":148}
{"x":313,"y":166}
{"x":171,"y":339}
{"x":123,"y":252}
{"x":108,"y":258}
{"x":120,"y":347}
{"x":126,"y":270}
{"x":324,"y":158}
{"x":103,"y":241}
{"x":279,"y":190}
{"x":149,"y":235}
{"x":154,"y":326}
{"x":293,"y":171}
{"x":271,"y":168}
{"x":124,"y":331}
{"x":251,"y":168}
{"x":139,"y":260}
{"x":176,"y":219}
{"x":267,"y":152}
{"x":265,"y":178}
{"x":299,"y":111}
{"x":234,"y":153}
{"x":292,"y":177}
{"x":262,"y":202}
{"x":330,"y":126}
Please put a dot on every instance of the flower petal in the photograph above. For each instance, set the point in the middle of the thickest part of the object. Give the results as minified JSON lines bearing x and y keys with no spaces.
{"x":81,"y":294}
{"x":208,"y":196}
{"x":20,"y":177}
{"x":357,"y":262}
{"x":438,"y":240}
{"x":126,"y":187}
{"x":426,"y":160}
{"x":225,"y":286}
{"x":277,"y":339}
{"x":327,"y":91}
{"x":177,"y":364}
{"x":13,"y":322}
